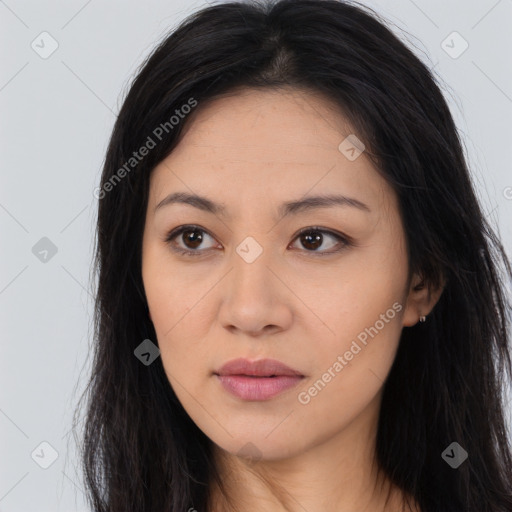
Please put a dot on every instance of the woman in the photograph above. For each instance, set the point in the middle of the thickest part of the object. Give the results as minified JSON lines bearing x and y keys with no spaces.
{"x":299,"y":303}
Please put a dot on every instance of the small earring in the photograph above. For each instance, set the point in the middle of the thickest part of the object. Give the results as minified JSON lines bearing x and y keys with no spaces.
{"x":423,"y":318}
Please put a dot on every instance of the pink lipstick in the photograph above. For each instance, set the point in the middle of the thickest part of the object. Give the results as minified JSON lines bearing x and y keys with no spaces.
{"x":257,"y":380}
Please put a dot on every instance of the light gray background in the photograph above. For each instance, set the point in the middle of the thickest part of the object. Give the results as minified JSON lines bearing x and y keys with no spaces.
{"x":56,"y":117}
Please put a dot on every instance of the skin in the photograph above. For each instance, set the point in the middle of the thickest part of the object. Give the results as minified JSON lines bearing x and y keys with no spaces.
{"x":252,"y":150}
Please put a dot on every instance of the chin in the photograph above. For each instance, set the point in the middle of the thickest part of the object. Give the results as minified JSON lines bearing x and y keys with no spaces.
{"x":259,"y":447}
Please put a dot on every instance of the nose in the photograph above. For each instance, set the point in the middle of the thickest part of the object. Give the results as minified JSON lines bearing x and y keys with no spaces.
{"x":255,"y":297}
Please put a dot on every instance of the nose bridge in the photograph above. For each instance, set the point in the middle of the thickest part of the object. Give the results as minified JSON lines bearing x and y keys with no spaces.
{"x":251,"y":261}
{"x":253,"y":289}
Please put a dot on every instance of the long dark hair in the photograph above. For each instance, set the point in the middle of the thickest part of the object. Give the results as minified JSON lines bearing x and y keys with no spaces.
{"x":140,"y":449}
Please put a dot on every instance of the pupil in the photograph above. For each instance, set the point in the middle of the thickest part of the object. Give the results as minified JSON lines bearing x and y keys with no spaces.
{"x":312,"y":239}
{"x":189,"y":237}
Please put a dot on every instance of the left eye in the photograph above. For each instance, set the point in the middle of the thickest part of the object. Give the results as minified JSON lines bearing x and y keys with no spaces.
{"x":311,"y":238}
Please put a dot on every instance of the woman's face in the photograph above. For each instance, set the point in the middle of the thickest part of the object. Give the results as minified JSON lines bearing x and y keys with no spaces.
{"x":255,"y":288}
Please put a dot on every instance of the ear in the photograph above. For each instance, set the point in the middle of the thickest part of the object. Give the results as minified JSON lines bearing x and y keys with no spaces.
{"x":420,"y":301}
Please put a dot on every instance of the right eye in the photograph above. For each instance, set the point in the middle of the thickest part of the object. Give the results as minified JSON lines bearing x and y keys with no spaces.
{"x":192,"y":235}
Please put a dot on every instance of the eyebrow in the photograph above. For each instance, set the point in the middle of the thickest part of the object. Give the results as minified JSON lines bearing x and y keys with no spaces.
{"x":287,"y":208}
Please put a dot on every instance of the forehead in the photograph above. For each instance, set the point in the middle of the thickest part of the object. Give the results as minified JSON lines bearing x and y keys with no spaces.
{"x":290,"y":124}
{"x":260,"y":142}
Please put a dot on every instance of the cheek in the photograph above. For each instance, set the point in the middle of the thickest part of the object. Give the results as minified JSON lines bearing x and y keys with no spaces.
{"x":356,"y":341}
{"x":180,"y":320}
{"x":365,"y":341}
{"x":175,"y":291}
{"x":352,"y":302}
{"x":350,"y":371}
{"x":181,"y":316}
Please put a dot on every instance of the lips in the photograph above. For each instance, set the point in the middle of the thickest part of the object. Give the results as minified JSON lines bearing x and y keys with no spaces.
{"x":260,"y":368}
{"x":257,"y":380}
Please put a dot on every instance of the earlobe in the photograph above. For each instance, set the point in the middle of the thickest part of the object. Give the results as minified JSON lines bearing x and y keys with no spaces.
{"x":420,"y":301}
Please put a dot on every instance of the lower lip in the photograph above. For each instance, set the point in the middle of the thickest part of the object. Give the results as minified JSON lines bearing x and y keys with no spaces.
{"x":258,"y":388}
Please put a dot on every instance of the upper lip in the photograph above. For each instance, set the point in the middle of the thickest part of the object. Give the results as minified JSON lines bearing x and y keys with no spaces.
{"x":259,"y":368}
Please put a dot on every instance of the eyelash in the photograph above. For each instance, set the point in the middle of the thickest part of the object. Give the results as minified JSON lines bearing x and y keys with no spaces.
{"x":346,"y":241}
